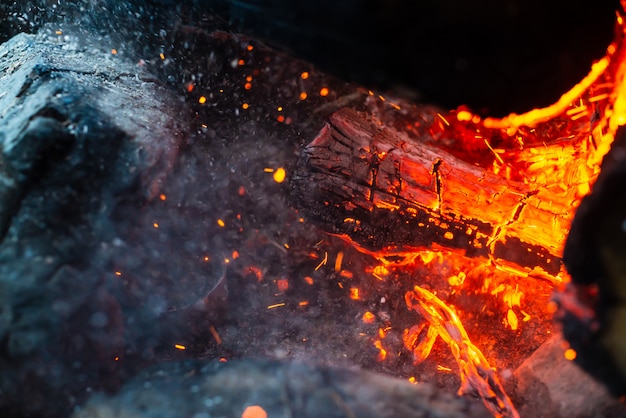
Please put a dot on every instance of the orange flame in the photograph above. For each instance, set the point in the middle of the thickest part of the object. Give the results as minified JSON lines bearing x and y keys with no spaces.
{"x":476,"y":373}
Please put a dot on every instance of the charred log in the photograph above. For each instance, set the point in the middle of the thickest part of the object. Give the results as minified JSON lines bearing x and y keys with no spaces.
{"x":593,"y":308}
{"x":389,"y":192}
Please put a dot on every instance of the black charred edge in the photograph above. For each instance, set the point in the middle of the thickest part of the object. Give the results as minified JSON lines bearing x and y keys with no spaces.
{"x":528,"y":255}
{"x":378,"y":229}
{"x":597,"y":225}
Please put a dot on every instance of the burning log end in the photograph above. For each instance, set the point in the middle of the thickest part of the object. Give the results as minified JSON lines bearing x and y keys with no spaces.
{"x":387,"y":191}
{"x":593,"y":308}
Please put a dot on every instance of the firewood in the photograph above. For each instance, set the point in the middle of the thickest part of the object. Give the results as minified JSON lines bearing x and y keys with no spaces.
{"x":391,"y":193}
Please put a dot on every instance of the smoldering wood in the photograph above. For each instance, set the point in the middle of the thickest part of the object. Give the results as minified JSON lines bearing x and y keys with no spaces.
{"x":389,"y":192}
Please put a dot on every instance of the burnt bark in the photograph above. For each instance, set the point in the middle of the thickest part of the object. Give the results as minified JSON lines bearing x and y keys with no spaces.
{"x":392,"y":193}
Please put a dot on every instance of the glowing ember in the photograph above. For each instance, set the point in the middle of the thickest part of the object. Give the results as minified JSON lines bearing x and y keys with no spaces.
{"x":476,"y":373}
{"x":254,"y":411}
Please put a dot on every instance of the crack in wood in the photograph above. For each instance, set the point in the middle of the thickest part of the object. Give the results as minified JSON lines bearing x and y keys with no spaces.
{"x":393,"y":185}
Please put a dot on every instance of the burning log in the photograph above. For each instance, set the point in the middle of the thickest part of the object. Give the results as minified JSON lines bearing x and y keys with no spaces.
{"x":383,"y":188}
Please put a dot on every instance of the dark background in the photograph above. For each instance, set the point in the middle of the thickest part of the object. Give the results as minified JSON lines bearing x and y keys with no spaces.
{"x":496,"y":56}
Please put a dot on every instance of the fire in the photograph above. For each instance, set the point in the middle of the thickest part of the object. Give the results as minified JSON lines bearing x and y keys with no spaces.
{"x":477,"y":376}
{"x":499,"y":192}
{"x":551,"y":157}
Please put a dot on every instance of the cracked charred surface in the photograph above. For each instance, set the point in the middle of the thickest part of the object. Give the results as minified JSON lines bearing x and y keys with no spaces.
{"x":388,"y":191}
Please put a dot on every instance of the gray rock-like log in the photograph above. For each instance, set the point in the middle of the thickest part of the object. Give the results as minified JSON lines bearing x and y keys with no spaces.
{"x":201,"y":389}
{"x":69,"y":160}
{"x":552,"y":386}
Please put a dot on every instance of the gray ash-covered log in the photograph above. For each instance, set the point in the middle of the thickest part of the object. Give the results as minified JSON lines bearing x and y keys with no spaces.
{"x":70,"y":166}
{"x":392,"y":193}
{"x":274,"y":389}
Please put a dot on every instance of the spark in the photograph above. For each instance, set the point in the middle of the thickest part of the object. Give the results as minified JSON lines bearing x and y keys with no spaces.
{"x":180,"y":347}
{"x":598,"y":97}
{"x":162,"y":197}
{"x":323,"y":262}
{"x":245,"y":106}
{"x":118,"y":273}
{"x":221,"y":223}
{"x":303,"y":95}
{"x":324,"y":91}
{"x":279,"y":175}
{"x":202,"y":100}
{"x":443,"y":119}
{"x":304,"y":75}
{"x":277,"y":305}
{"x":338,"y":261}
{"x":570,"y":354}
{"x":161,"y":56}
{"x":494,"y":152}
{"x":215,"y":335}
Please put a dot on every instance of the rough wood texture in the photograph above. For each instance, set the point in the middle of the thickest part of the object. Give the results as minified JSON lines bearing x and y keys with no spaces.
{"x":386,"y":190}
